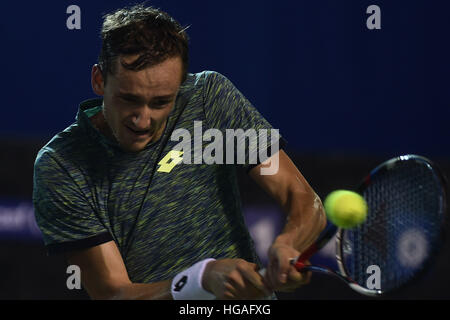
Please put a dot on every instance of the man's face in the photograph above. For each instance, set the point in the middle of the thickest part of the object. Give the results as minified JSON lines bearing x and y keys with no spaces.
{"x":137,"y":103}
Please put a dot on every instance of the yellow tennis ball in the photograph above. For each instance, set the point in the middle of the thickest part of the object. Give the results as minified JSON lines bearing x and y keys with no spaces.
{"x":345,"y":209}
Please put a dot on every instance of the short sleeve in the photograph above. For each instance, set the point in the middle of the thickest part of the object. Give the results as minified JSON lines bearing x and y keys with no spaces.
{"x":64,"y":215}
{"x":227,"y":109}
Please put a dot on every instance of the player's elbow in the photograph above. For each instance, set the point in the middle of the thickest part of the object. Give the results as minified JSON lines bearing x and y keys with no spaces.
{"x":320,"y":213}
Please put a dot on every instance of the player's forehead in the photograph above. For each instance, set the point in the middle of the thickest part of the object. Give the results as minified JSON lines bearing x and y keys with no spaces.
{"x":162,"y":79}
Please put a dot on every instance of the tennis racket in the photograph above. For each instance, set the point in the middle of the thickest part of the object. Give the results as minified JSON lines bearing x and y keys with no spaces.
{"x":406,"y":199}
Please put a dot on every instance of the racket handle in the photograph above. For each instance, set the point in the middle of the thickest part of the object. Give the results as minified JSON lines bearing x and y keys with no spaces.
{"x":326,"y":235}
{"x":263,"y":271}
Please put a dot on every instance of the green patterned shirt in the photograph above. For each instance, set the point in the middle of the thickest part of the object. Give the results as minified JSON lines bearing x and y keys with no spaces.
{"x":88,"y":191}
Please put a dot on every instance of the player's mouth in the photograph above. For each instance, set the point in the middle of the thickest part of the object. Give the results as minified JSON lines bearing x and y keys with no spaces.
{"x":139,"y":133}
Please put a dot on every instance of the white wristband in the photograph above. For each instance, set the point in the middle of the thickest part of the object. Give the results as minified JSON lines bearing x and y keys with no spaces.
{"x":187,"y":285}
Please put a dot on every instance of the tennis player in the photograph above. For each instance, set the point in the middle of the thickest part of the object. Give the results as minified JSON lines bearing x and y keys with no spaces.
{"x":111,"y":194}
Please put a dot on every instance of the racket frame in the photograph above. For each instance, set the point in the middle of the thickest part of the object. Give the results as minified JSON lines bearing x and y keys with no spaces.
{"x":386,"y":166}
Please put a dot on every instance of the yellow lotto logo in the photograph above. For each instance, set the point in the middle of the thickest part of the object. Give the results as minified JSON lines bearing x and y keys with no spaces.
{"x":170,"y":161}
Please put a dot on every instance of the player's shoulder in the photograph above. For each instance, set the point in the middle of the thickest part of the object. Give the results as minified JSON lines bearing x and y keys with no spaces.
{"x":60,"y":146}
{"x":200,"y":80}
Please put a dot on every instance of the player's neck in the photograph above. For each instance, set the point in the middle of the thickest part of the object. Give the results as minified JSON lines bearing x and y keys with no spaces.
{"x":99,"y":122}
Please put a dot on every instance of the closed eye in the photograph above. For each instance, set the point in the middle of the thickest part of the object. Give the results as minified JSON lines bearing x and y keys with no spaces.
{"x":130,"y":99}
{"x":160,"y":104}
{"x":156,"y":103}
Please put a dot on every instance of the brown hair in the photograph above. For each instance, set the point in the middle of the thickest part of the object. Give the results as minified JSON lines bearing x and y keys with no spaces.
{"x":148,"y":32}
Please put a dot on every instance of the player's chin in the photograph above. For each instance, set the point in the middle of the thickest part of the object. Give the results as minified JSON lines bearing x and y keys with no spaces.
{"x":135,"y":148}
{"x":134,"y":145}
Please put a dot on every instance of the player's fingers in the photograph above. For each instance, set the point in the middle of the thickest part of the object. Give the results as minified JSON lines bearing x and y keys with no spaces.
{"x":295,"y":275}
{"x":308,"y":274}
{"x":299,"y":278}
{"x":236,"y":281}
{"x":295,"y":280}
{"x":229,"y":292}
{"x":255,"y":285}
{"x":272,"y":274}
{"x":272,"y":277}
{"x":281,"y":271}
{"x":253,"y":292}
{"x":235,"y":287}
{"x":307,"y":277}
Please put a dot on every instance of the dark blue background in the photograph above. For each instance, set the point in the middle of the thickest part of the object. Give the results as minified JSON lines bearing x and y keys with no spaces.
{"x":345,"y":98}
{"x":312,"y":68}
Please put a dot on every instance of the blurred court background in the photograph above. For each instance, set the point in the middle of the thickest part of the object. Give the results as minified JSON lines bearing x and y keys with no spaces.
{"x":345,"y":98}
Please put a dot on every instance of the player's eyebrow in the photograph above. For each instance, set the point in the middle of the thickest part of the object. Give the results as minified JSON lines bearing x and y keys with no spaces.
{"x":166,"y":97}
{"x":130,"y":96}
{"x":137,"y":98}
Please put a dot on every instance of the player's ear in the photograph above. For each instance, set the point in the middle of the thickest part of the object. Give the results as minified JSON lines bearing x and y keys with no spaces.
{"x":97,"y":80}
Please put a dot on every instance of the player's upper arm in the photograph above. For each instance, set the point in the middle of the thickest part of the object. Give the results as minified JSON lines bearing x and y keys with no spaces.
{"x":65,"y":211}
{"x":103,"y":272}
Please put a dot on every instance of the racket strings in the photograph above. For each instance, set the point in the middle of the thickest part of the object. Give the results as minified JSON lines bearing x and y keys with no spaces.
{"x":403,"y":225}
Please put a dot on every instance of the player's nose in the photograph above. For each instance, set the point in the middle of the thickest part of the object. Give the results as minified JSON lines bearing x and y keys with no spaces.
{"x":142,"y":119}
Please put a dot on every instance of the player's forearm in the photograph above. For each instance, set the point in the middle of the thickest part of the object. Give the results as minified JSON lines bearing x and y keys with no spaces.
{"x":138,"y":291}
{"x":306,"y":218}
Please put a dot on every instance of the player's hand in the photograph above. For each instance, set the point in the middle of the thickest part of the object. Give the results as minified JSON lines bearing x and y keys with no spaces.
{"x":281,"y":275}
{"x":234,"y":279}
